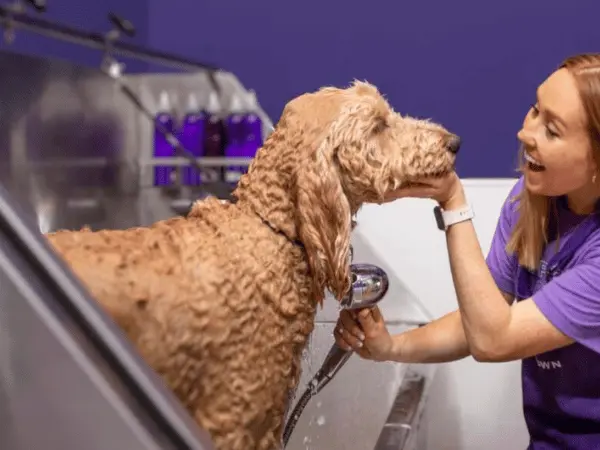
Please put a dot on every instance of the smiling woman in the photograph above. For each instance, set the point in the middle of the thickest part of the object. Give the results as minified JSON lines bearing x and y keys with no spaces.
{"x":545,"y":254}
{"x":559,"y":136}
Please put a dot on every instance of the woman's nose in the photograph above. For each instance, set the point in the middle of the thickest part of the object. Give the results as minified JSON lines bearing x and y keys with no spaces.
{"x":526,"y":137}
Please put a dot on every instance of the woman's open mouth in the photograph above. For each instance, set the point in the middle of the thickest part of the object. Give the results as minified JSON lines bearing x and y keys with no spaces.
{"x":533,"y":164}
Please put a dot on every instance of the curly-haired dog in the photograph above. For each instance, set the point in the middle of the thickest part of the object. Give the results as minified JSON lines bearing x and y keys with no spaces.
{"x":221,"y":303}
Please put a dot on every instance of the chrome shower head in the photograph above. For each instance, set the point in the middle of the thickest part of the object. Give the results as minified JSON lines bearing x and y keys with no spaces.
{"x":369,"y":285}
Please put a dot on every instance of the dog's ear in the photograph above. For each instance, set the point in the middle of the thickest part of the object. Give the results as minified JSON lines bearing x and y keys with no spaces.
{"x":324,"y":220}
{"x":323,"y":208}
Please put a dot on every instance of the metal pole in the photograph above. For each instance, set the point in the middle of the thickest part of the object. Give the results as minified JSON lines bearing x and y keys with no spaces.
{"x":16,"y":19}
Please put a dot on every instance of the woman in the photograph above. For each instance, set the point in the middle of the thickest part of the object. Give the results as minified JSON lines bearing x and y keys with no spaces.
{"x":545,"y":254}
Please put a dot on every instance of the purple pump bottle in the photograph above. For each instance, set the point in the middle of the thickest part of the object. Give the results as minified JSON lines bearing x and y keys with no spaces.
{"x":254,"y":127}
{"x":214,"y":138}
{"x":191,"y":136}
{"x":162,"y":148}
{"x":236,"y":138}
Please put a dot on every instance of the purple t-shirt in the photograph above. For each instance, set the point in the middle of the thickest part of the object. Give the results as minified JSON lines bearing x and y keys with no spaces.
{"x":561,"y":388}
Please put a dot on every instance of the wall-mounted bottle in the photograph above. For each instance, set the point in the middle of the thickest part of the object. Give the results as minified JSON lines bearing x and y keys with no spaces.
{"x":236,"y":138}
{"x":254,"y":126}
{"x":162,"y":148}
{"x":191,"y":136}
{"x":214,"y":138}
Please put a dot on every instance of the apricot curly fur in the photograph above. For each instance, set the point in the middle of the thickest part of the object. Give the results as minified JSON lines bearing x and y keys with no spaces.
{"x":221,"y":303}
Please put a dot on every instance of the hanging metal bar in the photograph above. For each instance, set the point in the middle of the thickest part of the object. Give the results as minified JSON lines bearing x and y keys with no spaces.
{"x":9,"y":18}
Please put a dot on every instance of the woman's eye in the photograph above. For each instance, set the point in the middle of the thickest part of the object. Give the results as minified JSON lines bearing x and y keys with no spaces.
{"x":534,"y":109}
{"x":551,"y":132}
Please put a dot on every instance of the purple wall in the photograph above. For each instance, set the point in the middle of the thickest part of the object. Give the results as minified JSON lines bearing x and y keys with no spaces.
{"x":472,"y":65}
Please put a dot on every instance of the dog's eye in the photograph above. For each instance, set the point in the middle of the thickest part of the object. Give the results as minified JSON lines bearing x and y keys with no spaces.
{"x":380,"y":126}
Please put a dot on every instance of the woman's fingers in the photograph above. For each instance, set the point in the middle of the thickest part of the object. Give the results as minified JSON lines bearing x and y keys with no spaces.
{"x":367,"y":321}
{"x":340,"y":339}
{"x":347,"y":333}
{"x":348,"y":342}
{"x":434,"y":188}
{"x":351,"y":342}
{"x":350,"y":324}
{"x":370,"y":320}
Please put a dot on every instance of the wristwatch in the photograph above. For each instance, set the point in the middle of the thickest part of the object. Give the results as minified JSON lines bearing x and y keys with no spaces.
{"x":445,"y":219}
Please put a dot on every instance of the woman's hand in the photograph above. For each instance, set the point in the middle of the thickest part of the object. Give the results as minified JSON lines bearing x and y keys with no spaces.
{"x":364,"y":332}
{"x":446,"y":190}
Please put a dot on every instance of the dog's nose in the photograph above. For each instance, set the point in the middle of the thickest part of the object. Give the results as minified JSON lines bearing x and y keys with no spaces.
{"x":454,"y":144}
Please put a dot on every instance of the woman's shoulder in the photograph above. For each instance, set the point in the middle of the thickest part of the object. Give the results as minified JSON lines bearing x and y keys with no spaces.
{"x":517,"y":188}
{"x":590,"y":249}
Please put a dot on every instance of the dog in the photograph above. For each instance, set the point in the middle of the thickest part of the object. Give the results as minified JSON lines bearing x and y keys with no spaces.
{"x":221,"y":303}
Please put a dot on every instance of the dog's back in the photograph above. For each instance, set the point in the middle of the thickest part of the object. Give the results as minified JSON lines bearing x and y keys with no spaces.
{"x":217,"y":303}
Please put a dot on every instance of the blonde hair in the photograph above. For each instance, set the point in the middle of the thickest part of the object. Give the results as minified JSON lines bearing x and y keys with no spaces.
{"x":530,"y":233}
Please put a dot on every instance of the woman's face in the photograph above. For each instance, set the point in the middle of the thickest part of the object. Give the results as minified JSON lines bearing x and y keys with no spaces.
{"x":556,"y":143}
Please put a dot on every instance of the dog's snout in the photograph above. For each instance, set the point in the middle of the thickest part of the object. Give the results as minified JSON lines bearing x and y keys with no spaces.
{"x":453,"y":144}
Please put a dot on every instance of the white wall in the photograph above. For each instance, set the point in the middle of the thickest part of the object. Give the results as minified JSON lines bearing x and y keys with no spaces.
{"x":472,"y":405}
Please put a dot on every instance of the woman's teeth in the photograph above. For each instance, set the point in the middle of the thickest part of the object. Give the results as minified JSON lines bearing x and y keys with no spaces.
{"x":533,"y":163}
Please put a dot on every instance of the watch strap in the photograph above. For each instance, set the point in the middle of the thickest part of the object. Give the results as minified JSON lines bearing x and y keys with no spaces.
{"x":445,"y":219}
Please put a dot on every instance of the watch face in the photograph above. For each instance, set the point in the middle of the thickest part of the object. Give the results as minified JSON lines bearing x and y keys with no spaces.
{"x":439,"y":218}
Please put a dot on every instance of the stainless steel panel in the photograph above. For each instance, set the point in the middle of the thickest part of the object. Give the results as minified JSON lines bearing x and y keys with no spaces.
{"x":48,"y":401}
{"x":59,"y":387}
{"x":67,"y":147}
{"x":77,"y":152}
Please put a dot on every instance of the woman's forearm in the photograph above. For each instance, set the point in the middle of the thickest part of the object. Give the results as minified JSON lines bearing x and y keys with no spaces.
{"x":485,"y":313}
{"x":442,"y":340}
